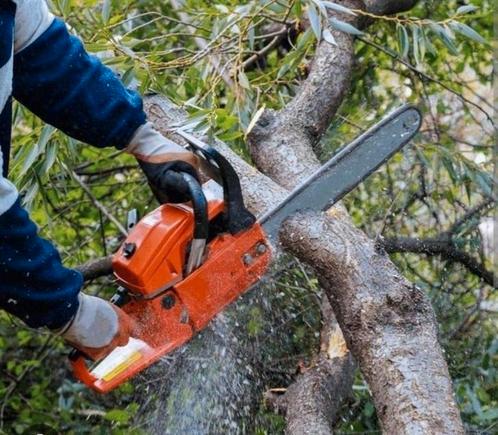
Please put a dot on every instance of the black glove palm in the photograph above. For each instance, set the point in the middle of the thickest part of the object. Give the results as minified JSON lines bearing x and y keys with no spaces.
{"x":166,"y":180}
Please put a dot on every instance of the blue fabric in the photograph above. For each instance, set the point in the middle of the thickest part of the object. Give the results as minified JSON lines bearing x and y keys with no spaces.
{"x":57,"y":80}
{"x":34,"y":285}
{"x":7,"y":13}
{"x":5,"y":131}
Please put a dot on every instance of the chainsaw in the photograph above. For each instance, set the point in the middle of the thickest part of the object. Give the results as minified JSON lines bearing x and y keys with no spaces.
{"x":182,"y":264}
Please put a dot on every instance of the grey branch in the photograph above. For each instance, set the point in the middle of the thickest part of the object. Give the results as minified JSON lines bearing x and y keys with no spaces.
{"x":407,"y":382}
{"x":310,"y":404}
{"x":389,"y":7}
{"x":388,"y":323}
{"x":96,"y":268}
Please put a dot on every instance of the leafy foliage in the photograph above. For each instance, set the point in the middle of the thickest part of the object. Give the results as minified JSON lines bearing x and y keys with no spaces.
{"x":225,"y":62}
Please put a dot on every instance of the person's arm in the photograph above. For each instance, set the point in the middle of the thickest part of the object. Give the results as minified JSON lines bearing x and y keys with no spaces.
{"x":60,"y":82}
{"x":65,"y":86}
{"x":34,"y":284}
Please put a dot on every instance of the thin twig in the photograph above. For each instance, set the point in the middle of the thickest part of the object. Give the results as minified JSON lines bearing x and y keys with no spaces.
{"x":426,"y":76}
{"x":97,"y":203}
{"x":201,"y":43}
{"x":442,"y":246}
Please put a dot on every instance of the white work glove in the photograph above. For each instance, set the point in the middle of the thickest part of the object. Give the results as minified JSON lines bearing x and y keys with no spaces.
{"x":97,"y":327}
{"x":163,"y":161}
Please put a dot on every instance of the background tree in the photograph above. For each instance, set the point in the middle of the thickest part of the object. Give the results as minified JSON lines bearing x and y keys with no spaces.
{"x":236,"y":70}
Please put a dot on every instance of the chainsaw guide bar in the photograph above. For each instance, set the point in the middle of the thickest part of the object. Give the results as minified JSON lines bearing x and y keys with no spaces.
{"x":182,"y":264}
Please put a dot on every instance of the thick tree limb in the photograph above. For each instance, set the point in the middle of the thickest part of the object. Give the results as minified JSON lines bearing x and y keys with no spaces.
{"x":282,"y":146}
{"x":389,"y":7}
{"x":310,"y":404}
{"x":388,"y":323}
{"x":442,"y":246}
{"x":309,"y":114}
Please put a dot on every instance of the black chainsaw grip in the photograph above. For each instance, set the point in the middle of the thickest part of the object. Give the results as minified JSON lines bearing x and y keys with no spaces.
{"x":75,"y":354}
{"x":200,"y":206}
{"x":237,"y":217}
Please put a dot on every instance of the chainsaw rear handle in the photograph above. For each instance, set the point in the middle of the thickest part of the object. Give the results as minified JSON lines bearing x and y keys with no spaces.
{"x":199,"y":205}
{"x":237,"y":217}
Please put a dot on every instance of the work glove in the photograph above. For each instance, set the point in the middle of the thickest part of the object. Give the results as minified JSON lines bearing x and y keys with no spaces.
{"x":97,"y":327}
{"x":163,"y":162}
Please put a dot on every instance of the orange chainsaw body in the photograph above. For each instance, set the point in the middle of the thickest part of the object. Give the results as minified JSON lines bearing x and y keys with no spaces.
{"x":168,"y":307}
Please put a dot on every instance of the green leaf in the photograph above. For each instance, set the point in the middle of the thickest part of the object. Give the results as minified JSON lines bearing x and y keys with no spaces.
{"x":231,"y":136}
{"x":106,"y":10}
{"x":467,"y":31}
{"x":37,"y":150}
{"x":244,"y":81}
{"x":490,"y":414}
{"x":466,"y":9}
{"x":416,"y":48}
{"x":117,"y":415}
{"x":345,"y":27}
{"x":30,"y":194}
{"x":403,"y":40}
{"x":448,"y":164}
{"x":304,"y":39}
{"x":50,"y":155}
{"x":338,"y":8}
{"x":284,"y":69}
{"x":327,"y":36}
{"x":484,"y":183}
{"x":445,"y":36}
{"x":315,"y":21}
{"x":251,"y":34}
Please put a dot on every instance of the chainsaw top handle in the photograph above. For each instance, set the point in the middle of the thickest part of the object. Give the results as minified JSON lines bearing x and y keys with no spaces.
{"x":200,"y":206}
{"x":237,"y":217}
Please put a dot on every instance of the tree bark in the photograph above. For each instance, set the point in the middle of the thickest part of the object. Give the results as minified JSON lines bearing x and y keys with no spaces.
{"x":388,"y":323}
{"x":96,"y":268}
{"x":310,"y":404}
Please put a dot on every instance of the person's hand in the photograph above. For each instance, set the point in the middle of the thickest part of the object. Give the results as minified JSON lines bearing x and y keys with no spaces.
{"x":98,"y":327}
{"x":163,"y":161}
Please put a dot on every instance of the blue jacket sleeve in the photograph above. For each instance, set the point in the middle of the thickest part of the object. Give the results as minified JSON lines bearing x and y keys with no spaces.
{"x":61,"y":83}
{"x":34,"y":285}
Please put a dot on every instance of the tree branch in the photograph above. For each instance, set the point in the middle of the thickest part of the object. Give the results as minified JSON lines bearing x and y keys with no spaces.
{"x":96,"y":268}
{"x":388,"y":323}
{"x":313,"y":400}
{"x":359,"y":283}
{"x":442,"y":246}
{"x":389,"y":7}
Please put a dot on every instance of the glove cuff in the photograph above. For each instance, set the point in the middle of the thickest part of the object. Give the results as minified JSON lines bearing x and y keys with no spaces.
{"x":95,"y":324}
{"x":147,"y":144}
